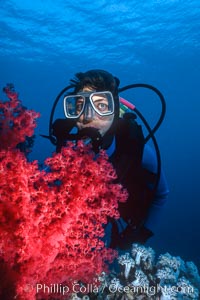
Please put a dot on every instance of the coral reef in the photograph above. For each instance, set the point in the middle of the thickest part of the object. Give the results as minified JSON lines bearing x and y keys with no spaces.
{"x":142,"y":277}
{"x":51,"y":223}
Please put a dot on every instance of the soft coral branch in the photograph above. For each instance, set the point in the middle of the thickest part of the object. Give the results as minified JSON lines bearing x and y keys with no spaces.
{"x":16,"y":122}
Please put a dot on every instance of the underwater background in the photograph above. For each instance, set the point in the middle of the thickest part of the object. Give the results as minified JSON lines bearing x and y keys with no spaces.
{"x":44,"y":43}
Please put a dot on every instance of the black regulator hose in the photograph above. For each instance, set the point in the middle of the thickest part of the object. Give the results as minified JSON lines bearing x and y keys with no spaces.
{"x":162,"y":99}
{"x":152,"y":136}
{"x":151,"y":132}
{"x":52,"y":138}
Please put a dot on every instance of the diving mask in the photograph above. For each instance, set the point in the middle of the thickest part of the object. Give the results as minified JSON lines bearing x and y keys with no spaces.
{"x":101,"y":102}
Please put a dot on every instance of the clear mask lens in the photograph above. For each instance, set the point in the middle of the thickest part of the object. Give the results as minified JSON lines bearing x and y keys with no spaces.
{"x":73,"y":106}
{"x":101,"y":102}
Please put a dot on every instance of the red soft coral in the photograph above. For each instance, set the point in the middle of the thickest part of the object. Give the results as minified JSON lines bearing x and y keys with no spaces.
{"x":16,"y":122}
{"x":51,"y":223}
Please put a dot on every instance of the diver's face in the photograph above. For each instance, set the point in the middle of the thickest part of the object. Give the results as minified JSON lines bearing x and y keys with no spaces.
{"x":90,"y":118}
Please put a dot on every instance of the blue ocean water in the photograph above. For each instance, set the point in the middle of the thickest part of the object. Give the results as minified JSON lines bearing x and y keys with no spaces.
{"x":44,"y":43}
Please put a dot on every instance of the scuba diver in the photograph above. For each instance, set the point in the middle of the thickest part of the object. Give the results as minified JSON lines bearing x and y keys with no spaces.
{"x":93,"y":110}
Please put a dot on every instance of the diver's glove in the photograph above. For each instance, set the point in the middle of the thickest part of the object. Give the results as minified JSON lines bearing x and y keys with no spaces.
{"x":129,"y":236}
{"x":61,"y":128}
{"x":60,"y":132}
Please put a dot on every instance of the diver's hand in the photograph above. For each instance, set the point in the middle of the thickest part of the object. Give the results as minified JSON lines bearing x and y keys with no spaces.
{"x":130,"y":236}
{"x":62,"y":127}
